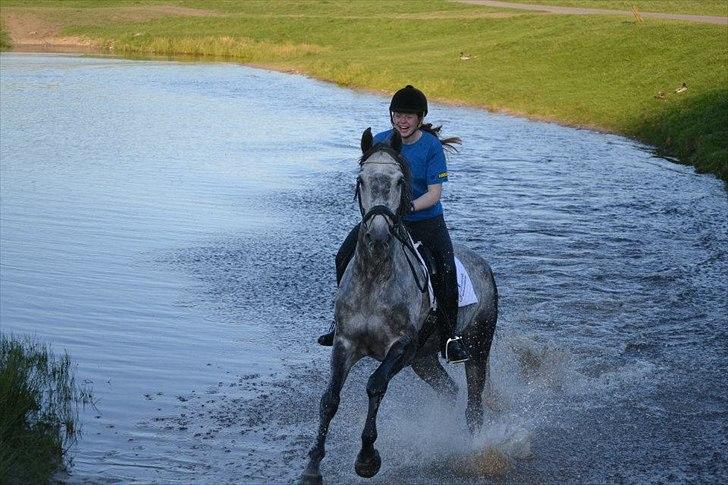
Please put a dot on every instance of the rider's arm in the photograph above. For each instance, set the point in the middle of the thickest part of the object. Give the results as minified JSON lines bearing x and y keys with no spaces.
{"x":436,"y":175}
{"x":429,"y":198}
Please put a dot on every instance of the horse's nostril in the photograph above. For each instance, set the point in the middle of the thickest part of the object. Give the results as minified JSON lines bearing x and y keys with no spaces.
{"x":376,"y":241}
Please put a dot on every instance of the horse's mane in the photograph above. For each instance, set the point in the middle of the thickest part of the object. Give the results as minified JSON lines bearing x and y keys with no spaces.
{"x":406,"y":200}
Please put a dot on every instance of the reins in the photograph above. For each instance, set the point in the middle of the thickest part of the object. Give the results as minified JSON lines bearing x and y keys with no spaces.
{"x":407,"y":243}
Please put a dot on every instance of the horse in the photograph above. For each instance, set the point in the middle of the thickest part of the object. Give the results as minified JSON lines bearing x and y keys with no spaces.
{"x":381,"y":309}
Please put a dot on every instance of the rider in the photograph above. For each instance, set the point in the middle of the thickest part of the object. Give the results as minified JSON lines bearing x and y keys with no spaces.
{"x":422,"y":148}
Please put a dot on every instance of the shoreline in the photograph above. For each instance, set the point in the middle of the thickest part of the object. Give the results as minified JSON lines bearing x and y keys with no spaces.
{"x":95,"y":50}
{"x":535,"y":80}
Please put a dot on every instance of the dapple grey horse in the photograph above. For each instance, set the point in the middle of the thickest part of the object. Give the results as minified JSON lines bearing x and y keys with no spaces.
{"x":380,"y":309}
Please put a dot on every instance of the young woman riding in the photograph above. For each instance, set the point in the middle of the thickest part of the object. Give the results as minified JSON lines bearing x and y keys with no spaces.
{"x":422,"y":148}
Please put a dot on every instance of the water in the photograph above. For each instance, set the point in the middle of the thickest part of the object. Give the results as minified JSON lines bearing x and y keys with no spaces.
{"x":173,"y":225}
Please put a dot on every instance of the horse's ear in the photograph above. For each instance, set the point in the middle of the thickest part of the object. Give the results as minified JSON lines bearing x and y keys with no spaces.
{"x":367,"y":140}
{"x":396,"y":141}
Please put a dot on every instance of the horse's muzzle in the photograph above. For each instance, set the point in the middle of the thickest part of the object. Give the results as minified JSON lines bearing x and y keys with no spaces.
{"x":378,"y":236}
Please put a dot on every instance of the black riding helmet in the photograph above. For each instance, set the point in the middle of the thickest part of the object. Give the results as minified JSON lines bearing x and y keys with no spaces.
{"x":409,"y":100}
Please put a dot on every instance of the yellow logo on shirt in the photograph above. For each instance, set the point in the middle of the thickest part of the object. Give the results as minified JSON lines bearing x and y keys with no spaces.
{"x":442,"y":175}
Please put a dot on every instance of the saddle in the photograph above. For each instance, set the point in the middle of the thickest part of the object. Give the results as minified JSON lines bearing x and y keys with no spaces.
{"x":428,"y":258}
{"x":431,"y":323}
{"x":466,"y":291}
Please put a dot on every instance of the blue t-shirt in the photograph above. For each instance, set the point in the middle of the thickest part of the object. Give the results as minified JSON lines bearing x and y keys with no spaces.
{"x":426,"y":160}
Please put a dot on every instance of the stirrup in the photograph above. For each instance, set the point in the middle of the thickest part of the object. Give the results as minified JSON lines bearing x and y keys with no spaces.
{"x":447,"y":354}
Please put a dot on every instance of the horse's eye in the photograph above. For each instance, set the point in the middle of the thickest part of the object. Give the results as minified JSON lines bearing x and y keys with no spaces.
{"x":400,"y":182}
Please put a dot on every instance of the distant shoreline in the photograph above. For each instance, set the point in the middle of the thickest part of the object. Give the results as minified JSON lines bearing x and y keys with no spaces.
{"x":592,"y":76}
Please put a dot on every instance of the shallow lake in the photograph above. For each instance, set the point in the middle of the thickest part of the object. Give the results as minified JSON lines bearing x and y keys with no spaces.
{"x":173,"y":226}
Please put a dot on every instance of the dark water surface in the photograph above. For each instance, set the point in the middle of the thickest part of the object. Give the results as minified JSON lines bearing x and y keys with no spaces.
{"x":173,"y":225}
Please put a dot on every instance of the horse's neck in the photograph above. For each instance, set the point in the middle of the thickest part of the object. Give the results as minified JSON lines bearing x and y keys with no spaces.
{"x":369,"y":269}
{"x":392,"y":267}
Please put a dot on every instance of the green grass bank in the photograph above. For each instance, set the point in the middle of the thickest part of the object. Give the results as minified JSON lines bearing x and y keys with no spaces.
{"x":5,"y":43}
{"x":599,"y":72}
{"x":39,"y":402}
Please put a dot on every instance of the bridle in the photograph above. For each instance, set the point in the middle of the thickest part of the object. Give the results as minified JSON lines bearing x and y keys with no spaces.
{"x":394,"y":220}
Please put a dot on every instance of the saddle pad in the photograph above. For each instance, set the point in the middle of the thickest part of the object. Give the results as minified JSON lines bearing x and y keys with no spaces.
{"x":466,"y":292}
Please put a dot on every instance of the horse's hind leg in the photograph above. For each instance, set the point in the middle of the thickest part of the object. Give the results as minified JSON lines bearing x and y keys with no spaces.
{"x":429,"y":369}
{"x":341,"y":362}
{"x":399,"y":354}
{"x":476,"y":375}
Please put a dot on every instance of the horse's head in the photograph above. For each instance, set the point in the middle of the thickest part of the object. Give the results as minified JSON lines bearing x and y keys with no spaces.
{"x":382,"y":188}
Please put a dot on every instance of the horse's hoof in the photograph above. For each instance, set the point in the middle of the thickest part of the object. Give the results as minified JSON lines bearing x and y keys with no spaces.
{"x":368,"y":466}
{"x":311,"y":479}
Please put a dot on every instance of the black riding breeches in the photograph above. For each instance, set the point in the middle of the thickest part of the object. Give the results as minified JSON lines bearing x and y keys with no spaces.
{"x":434,"y":236}
{"x":346,"y":252}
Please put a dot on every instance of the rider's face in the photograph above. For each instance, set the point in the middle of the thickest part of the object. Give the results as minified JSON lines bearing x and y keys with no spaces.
{"x":405,"y":123}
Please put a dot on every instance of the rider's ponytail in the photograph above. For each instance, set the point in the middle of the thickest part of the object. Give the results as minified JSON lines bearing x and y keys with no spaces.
{"x":448,"y":143}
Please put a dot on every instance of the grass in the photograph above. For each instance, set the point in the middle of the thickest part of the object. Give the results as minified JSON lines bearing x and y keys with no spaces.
{"x":599,"y":72}
{"x":5,"y":43}
{"x":702,"y":7}
{"x":39,"y":401}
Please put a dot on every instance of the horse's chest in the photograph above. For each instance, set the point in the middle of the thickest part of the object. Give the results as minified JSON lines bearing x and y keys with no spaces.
{"x":374,"y":315}
{"x":377,"y":316}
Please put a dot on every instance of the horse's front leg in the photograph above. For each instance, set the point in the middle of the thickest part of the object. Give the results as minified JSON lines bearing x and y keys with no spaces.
{"x":476,"y":373}
{"x":341,"y":361}
{"x":399,"y":355}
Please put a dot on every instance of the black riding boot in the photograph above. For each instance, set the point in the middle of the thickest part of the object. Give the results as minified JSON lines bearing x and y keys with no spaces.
{"x":327,"y":339}
{"x":453,"y":348}
{"x":343,"y":256}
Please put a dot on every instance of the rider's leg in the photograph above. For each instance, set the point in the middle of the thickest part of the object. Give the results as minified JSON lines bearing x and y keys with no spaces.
{"x":346,"y":252}
{"x":434,"y":235}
